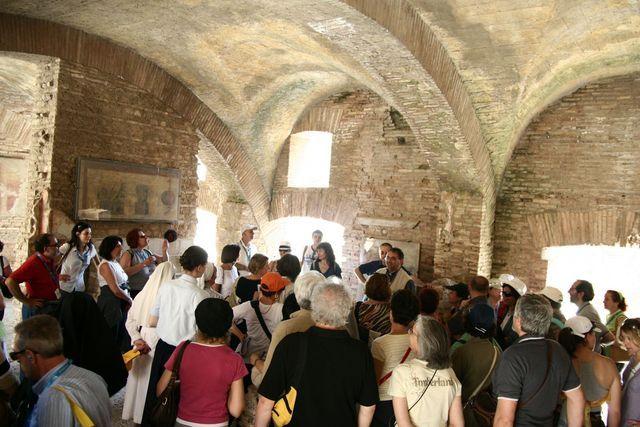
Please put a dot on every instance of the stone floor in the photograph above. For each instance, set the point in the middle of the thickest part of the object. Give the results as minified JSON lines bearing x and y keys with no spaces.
{"x":12,"y":316}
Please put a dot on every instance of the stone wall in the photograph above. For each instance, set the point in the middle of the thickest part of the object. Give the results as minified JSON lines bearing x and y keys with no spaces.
{"x":382,"y":186}
{"x":103,"y":117}
{"x":573,"y":178}
{"x":27,"y":113}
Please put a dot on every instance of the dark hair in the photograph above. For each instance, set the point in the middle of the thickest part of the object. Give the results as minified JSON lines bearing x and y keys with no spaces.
{"x":213,"y":317}
{"x":193,"y":257}
{"x":398,"y":252}
{"x":378,"y":287}
{"x":288,"y":266}
{"x":429,"y":300}
{"x":479,"y":284}
{"x":389,"y":245}
{"x":514,"y":294}
{"x":107,"y":246}
{"x":230,"y":253}
{"x":1,"y":245}
{"x":471,"y":329}
{"x":619,"y":299}
{"x":405,"y":307}
{"x":133,"y":238}
{"x":43,"y":241}
{"x":587,"y":290}
{"x":74,"y":241}
{"x":171,"y":235}
{"x":328,"y":250}
{"x":569,"y":341}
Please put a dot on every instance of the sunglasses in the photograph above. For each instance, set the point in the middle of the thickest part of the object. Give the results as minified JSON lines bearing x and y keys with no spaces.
{"x":507,"y":294}
{"x":13,"y":355}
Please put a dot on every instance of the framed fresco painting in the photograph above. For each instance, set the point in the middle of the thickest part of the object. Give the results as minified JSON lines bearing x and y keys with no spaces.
{"x":116,"y":191}
{"x":13,"y":186}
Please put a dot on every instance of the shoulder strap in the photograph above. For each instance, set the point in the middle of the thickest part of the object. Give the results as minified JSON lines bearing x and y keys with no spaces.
{"x":302,"y":360}
{"x":64,"y":257}
{"x":256,"y":307}
{"x":81,"y":416}
{"x":1,"y":266}
{"x":176,"y":366}
{"x":483,"y":382}
{"x":388,"y":374}
{"x":546,"y":374}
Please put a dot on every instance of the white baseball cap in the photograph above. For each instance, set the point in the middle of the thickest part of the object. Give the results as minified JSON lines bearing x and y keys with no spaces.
{"x":517,"y":284}
{"x":249,"y":227}
{"x":580,"y":326}
{"x":554,"y":294}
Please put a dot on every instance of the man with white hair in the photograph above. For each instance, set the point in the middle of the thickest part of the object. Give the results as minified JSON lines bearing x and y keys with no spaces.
{"x":300,"y":321}
{"x":336,"y":371}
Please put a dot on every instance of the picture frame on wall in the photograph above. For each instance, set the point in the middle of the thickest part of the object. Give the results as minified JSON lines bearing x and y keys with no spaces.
{"x":107,"y":190}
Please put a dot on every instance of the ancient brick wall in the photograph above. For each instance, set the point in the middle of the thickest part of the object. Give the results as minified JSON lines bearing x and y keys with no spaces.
{"x":573,"y":178}
{"x":103,"y":117}
{"x":27,"y":115}
{"x":378,"y":172}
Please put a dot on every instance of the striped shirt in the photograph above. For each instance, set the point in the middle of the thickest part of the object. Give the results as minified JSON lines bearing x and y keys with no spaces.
{"x":374,"y":317}
{"x":85,"y":387}
{"x":389,"y":349}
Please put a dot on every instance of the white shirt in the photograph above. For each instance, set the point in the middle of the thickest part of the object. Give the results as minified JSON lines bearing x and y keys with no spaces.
{"x":226,"y":278}
{"x":272,"y":314}
{"x":74,"y":265}
{"x":118,"y":273}
{"x":175,"y":308}
{"x":246,"y":252}
{"x":409,"y":380}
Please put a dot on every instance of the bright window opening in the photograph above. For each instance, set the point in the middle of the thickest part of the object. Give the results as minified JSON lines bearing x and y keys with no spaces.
{"x":201,"y":170}
{"x":297,"y":231}
{"x":310,"y":159}
{"x":206,"y":236}
{"x":606,"y":267}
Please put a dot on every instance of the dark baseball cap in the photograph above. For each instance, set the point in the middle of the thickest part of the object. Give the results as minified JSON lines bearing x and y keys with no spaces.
{"x":461,"y":289}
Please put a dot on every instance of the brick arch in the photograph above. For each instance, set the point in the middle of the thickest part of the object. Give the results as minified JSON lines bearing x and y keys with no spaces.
{"x":532,"y":106}
{"x":404,"y":21}
{"x":21,"y":34}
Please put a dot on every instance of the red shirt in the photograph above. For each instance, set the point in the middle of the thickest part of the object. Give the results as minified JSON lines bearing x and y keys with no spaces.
{"x":37,"y":277}
{"x":206,"y":374}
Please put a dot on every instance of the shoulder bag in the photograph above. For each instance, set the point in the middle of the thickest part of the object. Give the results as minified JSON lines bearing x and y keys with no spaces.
{"x":282,"y":411}
{"x":388,"y":375}
{"x":482,"y":402}
{"x":80,"y":415}
{"x":165,"y":412}
{"x":256,"y":307}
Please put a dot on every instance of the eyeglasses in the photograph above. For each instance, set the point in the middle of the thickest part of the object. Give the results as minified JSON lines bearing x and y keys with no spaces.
{"x":55,"y":245}
{"x":507,"y":294}
{"x":14,"y":354}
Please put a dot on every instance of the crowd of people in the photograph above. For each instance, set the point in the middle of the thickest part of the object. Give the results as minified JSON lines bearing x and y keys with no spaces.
{"x":484,"y":352}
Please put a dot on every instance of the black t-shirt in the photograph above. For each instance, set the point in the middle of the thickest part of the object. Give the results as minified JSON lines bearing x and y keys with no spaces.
{"x":333,"y":270}
{"x":246,"y":288}
{"x":520,"y":372}
{"x":338,"y":374}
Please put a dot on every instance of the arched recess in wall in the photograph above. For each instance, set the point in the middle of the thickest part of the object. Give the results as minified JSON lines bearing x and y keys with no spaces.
{"x":403,"y":20}
{"x":572,"y":179}
{"x":20,"y":34}
{"x":380,"y":186}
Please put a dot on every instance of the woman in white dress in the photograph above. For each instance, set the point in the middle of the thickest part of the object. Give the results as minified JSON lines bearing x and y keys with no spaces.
{"x":143,"y":338}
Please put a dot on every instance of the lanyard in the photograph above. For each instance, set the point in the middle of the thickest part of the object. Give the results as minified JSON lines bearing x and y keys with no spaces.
{"x":53,"y":275}
{"x":32,"y":421}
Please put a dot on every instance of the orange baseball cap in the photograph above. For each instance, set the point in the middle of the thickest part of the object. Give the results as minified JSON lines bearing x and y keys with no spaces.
{"x":273,"y":282}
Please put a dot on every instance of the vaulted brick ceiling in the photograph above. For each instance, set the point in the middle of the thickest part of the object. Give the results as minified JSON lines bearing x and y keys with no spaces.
{"x":259,"y":64}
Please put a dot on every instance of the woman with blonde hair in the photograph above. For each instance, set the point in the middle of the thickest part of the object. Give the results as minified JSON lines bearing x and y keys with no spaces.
{"x":143,"y":339}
